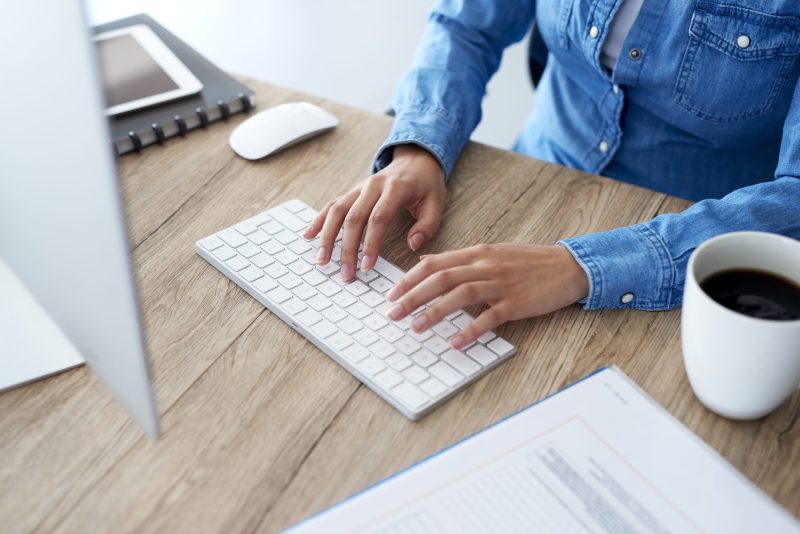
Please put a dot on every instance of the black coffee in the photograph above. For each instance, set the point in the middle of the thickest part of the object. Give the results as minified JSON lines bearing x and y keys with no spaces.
{"x":755,"y":293}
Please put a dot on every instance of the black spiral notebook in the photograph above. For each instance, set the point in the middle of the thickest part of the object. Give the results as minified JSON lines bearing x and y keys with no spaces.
{"x":221,"y":97}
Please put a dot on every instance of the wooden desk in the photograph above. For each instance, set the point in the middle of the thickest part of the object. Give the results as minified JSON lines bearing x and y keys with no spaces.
{"x":261,"y":429}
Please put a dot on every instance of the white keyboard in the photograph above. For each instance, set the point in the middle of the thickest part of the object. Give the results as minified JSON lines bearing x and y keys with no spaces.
{"x":267,"y":256}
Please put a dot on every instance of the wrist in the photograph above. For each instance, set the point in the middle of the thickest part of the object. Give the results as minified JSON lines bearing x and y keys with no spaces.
{"x":576,"y":277}
{"x":412,"y":154}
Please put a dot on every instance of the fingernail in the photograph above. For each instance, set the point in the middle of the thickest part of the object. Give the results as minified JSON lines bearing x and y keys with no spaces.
{"x":308,"y":230}
{"x":321,"y":254}
{"x":367,"y":263}
{"x":457,"y":341}
{"x":395,"y":312}
{"x":416,"y":241}
{"x":420,"y":323}
{"x":392,"y":294}
{"x":347,"y":272}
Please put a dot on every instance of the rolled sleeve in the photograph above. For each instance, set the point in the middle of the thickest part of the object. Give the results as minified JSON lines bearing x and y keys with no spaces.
{"x":428,"y":127}
{"x":627,"y":268}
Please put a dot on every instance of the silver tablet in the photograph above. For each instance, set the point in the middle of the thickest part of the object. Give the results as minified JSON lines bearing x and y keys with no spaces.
{"x":139,"y":70}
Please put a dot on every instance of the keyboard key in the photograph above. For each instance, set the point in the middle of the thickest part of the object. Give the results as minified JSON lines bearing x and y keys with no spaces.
{"x":289,"y":281}
{"x":500,"y":346}
{"x":424,"y":357}
{"x":279,"y":295}
{"x":345,"y":299}
{"x":329,"y":268}
{"x":271,"y":247}
{"x":211,"y":243}
{"x":405,"y":323}
{"x":436,"y":345}
{"x":246,"y":228}
{"x":294,"y":306}
{"x":260,"y":219}
{"x":224,"y":253}
{"x":388,"y":379}
{"x":265,"y":284}
{"x":319,"y":303}
{"x":238,"y":263}
{"x":304,"y":291}
{"x":336,"y":253}
{"x":310,"y":256}
{"x":339,"y":341}
{"x":356,"y":288}
{"x":433,"y":387}
{"x":285,"y":257}
{"x":384,"y":307}
{"x":309,"y":317}
{"x":373,"y":321}
{"x":462,"y":320}
{"x":422,"y":336}
{"x":388,"y":270}
{"x":300,"y":268}
{"x":372,"y":365}
{"x":250,"y":273}
{"x":272,"y":227}
{"x":314,"y":277}
{"x":232,"y":237}
{"x":248,"y":250}
{"x":487,"y":337}
{"x":366,"y":276}
{"x":261,"y":260}
{"x":334,"y":313}
{"x":329,"y":288}
{"x":365,"y":336}
{"x":276,"y":270}
{"x":445,"y":373}
{"x":406,"y":345}
{"x":287,"y":219}
{"x":381,"y":349}
{"x":445,"y":329}
{"x":398,"y":362}
{"x":419,"y":310}
{"x":258,"y":237}
{"x":299,"y":247}
{"x":451,"y":316}
{"x":295,"y":205}
{"x":481,"y":354}
{"x":381,"y":285}
{"x":349,"y":326}
{"x":372,"y":298}
{"x":415,"y":374}
{"x":390,"y":333}
{"x":307,"y":215}
{"x":410,"y":395}
{"x":355,"y":354}
{"x":462,"y":362}
{"x":323,"y":329}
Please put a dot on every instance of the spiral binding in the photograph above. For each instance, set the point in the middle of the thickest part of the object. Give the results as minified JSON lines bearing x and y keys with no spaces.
{"x":201,"y":114}
{"x":136,"y":140}
{"x":159,"y":133}
{"x":224,"y":109}
{"x":181,"y":125}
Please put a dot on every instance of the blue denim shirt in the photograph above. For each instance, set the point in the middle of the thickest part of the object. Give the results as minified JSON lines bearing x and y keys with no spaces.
{"x":704,"y":104}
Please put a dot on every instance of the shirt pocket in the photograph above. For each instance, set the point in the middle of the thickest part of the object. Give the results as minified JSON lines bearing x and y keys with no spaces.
{"x":736,"y":62}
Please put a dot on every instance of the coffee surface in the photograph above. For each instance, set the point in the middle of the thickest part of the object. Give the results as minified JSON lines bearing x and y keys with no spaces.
{"x":755,"y":293}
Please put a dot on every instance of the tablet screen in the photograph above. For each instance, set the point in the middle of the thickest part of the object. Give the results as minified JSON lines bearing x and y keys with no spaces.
{"x":129,"y":72}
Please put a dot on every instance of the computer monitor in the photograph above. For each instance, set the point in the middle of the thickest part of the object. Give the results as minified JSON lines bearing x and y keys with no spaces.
{"x":67,"y":290}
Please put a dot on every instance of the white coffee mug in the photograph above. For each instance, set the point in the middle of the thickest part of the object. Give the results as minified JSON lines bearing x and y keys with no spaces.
{"x":739,"y":366}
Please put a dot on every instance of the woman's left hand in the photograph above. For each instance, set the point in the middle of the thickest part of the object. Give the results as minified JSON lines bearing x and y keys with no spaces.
{"x":515,"y":281}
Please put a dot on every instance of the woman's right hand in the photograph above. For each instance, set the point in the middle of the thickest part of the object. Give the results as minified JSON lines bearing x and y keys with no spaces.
{"x":414,"y":180}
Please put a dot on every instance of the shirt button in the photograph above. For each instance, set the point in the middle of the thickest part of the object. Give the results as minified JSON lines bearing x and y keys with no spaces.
{"x":603,"y":147}
{"x":594,"y":31}
{"x":626,"y":298}
{"x":743,"y":41}
{"x":635,"y":54}
{"x":615,"y":88}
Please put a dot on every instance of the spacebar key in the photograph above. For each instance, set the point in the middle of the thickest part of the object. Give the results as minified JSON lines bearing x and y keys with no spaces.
{"x":388,"y":270}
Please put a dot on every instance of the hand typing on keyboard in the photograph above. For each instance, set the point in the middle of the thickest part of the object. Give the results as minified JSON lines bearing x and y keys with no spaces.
{"x":515,"y":281}
{"x":413,"y":180}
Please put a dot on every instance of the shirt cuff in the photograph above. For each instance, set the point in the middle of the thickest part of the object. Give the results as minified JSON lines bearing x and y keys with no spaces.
{"x":627,"y":268}
{"x":431,"y":128}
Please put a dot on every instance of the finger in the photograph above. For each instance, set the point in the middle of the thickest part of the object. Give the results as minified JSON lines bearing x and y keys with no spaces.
{"x":316,"y":225}
{"x":431,"y":287}
{"x":354,"y":224}
{"x":490,"y":319}
{"x":333,"y":222}
{"x":428,"y":221}
{"x":382,"y":214}
{"x":428,"y":265}
{"x":463,"y":295}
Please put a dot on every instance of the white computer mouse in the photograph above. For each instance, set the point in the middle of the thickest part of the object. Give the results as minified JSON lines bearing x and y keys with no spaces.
{"x":279,"y":127}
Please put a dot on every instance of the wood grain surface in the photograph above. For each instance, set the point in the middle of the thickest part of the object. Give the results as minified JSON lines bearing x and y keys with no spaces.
{"x":261,"y":429}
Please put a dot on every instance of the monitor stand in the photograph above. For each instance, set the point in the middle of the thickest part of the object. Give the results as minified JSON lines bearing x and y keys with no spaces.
{"x":31,"y":345}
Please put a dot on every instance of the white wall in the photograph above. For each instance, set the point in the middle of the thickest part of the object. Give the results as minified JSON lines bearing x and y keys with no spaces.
{"x":351,"y":51}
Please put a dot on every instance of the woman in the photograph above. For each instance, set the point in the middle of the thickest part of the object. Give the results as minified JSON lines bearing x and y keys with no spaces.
{"x":695,"y":99}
